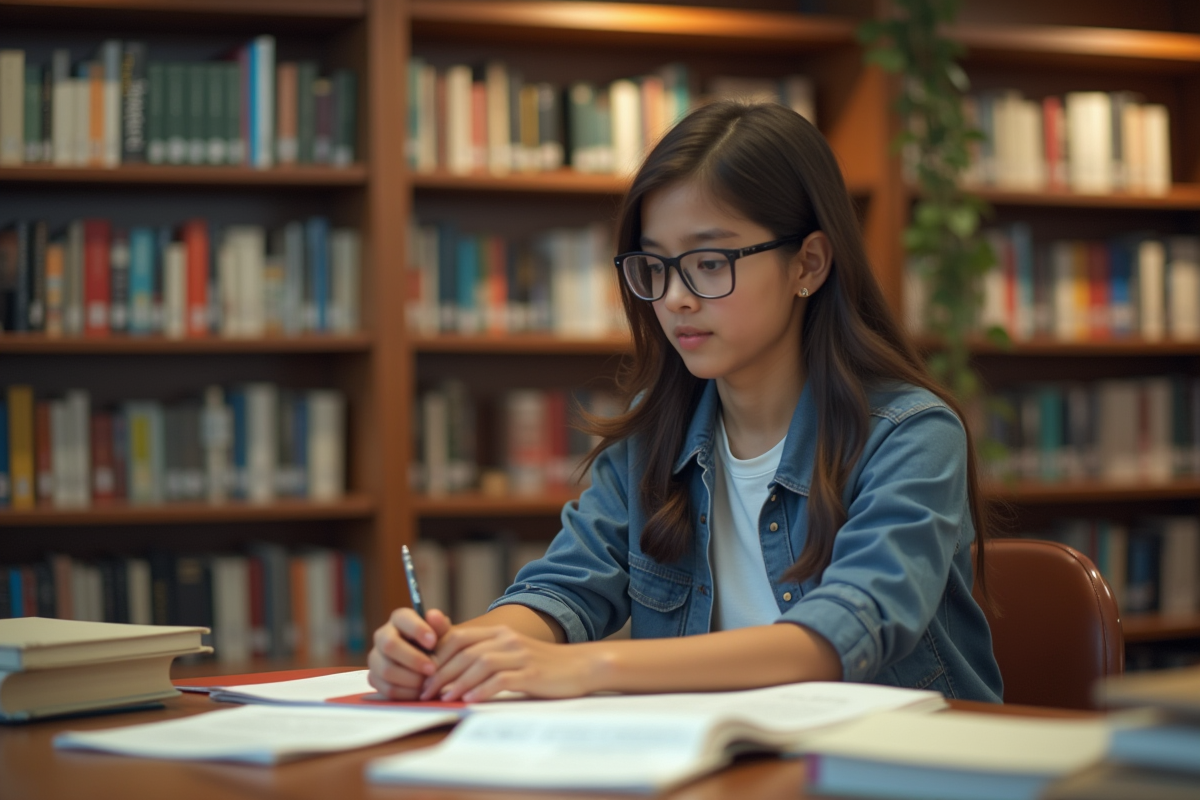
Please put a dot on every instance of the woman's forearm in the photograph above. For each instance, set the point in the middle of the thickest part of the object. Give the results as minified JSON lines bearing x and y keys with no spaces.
{"x":521,"y":619}
{"x":765,"y":655}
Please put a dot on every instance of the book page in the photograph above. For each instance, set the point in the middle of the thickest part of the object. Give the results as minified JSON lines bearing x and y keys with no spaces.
{"x":305,"y":690}
{"x":627,"y":752}
{"x":791,"y":708}
{"x":255,"y":734}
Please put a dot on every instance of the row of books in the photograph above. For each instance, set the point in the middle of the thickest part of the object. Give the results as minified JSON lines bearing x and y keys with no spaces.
{"x":1093,"y":142}
{"x":252,"y":442}
{"x":465,"y":576}
{"x":561,"y":281}
{"x":270,"y":602}
{"x":534,"y":444}
{"x":118,"y":107}
{"x":487,"y":118}
{"x":193,"y":280}
{"x":1120,"y":429}
{"x":1079,"y":290}
{"x":1152,"y":566}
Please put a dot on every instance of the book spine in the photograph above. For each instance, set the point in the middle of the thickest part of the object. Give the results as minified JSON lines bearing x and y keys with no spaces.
{"x":110,"y":53}
{"x":55,"y":264}
{"x":176,"y":113}
{"x":306,"y":74}
{"x":12,"y":106}
{"x":97,"y":276}
{"x":215,"y":108}
{"x":317,"y":260}
{"x":94,"y":134}
{"x":43,"y":452}
{"x":345,"y":131}
{"x":286,"y":112}
{"x":5,"y":465}
{"x":264,"y":100}
{"x":133,"y":103}
{"x":33,"y":114}
{"x":38,"y":243}
{"x":156,"y":113}
{"x":196,"y":122}
{"x":195,"y":240}
{"x":63,"y":128}
{"x":174,"y":301}
{"x":119,"y":283}
{"x":141,"y":280}
{"x":322,"y":121}
{"x":104,"y":482}
{"x":235,"y":139}
{"x":326,"y":444}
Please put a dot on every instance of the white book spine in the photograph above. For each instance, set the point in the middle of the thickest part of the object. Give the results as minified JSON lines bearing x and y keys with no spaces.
{"x":1062,"y":258}
{"x":326,"y":444}
{"x":1183,"y":288}
{"x":231,"y":609}
{"x":458,"y":119}
{"x":1089,"y":131}
{"x":60,"y":458}
{"x":1133,"y":138}
{"x":625,"y":98}
{"x":427,"y":131}
{"x":250,"y":247}
{"x":1157,"y":142}
{"x":1116,"y":437}
{"x":321,"y":583}
{"x":61,"y":120}
{"x":81,"y":98}
{"x":228,"y":280}
{"x":175,"y":291}
{"x":432,"y":564}
{"x":1151,"y":268}
{"x":478,"y":577}
{"x":79,"y":408}
{"x":1180,"y":566}
{"x":499,"y":147}
{"x":435,"y":440}
{"x":346,"y":249}
{"x":137,"y":578}
{"x":1155,"y":455}
{"x":217,"y":439}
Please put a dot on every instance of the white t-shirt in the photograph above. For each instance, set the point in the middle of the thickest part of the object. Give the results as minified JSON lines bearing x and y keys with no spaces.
{"x":742,"y":592}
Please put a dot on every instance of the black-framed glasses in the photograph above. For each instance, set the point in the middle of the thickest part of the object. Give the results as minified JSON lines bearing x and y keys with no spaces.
{"x":707,"y":273}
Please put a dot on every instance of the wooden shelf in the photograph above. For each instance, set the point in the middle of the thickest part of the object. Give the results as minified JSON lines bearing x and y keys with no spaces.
{"x":1159,"y":627}
{"x":1038,"y":493}
{"x":139,"y":174}
{"x":477,"y":505}
{"x":560,"y":181}
{"x":1081,"y":47}
{"x":522,"y":344}
{"x":349,"y":507}
{"x":1182,"y":196}
{"x":626,"y":25}
{"x":1058,"y":348}
{"x":38,"y":344}
{"x":312,"y":9}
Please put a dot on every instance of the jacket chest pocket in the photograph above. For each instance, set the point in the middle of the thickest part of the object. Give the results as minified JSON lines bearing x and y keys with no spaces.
{"x":660,"y":596}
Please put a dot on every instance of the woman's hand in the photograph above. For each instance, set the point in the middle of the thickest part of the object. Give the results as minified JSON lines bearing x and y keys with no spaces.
{"x":478,"y":662}
{"x":400,"y":662}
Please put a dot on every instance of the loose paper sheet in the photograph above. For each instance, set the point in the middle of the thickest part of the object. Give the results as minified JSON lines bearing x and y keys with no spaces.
{"x":259,"y":734}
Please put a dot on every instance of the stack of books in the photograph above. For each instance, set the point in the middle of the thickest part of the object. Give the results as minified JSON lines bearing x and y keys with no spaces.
{"x":50,"y":667}
{"x":1154,"y":753}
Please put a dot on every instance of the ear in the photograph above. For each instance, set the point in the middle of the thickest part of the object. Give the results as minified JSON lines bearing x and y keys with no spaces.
{"x":814,"y":259}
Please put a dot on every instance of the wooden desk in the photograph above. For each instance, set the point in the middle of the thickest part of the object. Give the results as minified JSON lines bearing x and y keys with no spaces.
{"x":31,"y":768}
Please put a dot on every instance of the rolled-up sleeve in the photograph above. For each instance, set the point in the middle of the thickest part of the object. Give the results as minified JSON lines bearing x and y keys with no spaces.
{"x":583,"y":580}
{"x":907,"y":517}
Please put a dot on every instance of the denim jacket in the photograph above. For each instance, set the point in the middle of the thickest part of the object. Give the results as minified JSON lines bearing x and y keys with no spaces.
{"x":895,"y":601}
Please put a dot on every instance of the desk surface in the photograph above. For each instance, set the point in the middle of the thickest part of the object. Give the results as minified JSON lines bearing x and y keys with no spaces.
{"x":31,"y":768}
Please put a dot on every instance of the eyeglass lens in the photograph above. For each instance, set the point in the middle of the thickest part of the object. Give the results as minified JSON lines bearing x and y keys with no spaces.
{"x":707,"y":273}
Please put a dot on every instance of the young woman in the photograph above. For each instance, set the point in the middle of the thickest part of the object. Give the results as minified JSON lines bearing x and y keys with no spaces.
{"x":789,"y":497}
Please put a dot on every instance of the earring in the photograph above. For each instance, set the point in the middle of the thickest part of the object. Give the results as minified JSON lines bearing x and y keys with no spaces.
{"x":804,"y":291}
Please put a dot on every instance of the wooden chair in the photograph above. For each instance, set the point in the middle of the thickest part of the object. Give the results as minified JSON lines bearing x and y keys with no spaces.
{"x":1057,"y":630}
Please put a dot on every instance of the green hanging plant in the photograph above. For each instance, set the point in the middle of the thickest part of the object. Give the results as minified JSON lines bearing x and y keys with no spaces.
{"x":943,"y":237}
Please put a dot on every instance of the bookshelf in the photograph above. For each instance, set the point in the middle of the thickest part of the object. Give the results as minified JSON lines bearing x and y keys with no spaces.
{"x":360,"y":35}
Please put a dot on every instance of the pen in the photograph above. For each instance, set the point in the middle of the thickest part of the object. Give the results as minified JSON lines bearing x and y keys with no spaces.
{"x":410,"y":575}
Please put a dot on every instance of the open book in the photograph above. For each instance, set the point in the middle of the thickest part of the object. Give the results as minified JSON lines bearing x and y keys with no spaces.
{"x":633,"y":743}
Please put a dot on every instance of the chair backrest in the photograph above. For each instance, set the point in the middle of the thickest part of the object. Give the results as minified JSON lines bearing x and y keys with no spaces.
{"x":1057,"y":630}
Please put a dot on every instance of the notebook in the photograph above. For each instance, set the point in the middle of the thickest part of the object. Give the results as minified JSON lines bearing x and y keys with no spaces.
{"x":633,"y":743}
{"x":254,"y":734}
{"x":1175,"y":691}
{"x":951,"y":756}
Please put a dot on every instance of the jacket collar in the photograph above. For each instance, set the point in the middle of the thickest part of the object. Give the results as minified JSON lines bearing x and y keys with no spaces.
{"x":795,"y":465}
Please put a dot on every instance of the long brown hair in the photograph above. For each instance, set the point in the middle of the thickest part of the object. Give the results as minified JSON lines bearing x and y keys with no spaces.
{"x":774,"y":168}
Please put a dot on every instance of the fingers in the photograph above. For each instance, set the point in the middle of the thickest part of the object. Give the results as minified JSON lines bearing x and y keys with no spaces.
{"x":453,"y":656}
{"x":439,"y":622}
{"x":390,"y":680}
{"x":412,"y":627}
{"x":484,"y":666}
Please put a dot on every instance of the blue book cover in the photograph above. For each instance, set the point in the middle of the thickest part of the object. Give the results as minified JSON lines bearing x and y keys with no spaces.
{"x":355,"y":621}
{"x":1022,"y":245}
{"x":237,"y":408}
{"x":1050,"y":433}
{"x":16,"y":603}
{"x":467,"y":284}
{"x":316,"y":231}
{"x":141,"y":280}
{"x":5,"y":474}
{"x":447,"y":276}
{"x":1141,"y":590}
{"x":1120,"y":261}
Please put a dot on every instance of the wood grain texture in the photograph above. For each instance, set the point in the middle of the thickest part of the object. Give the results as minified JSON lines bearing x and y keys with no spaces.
{"x":146,"y":174}
{"x":39,"y":344}
{"x":120,"y":513}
